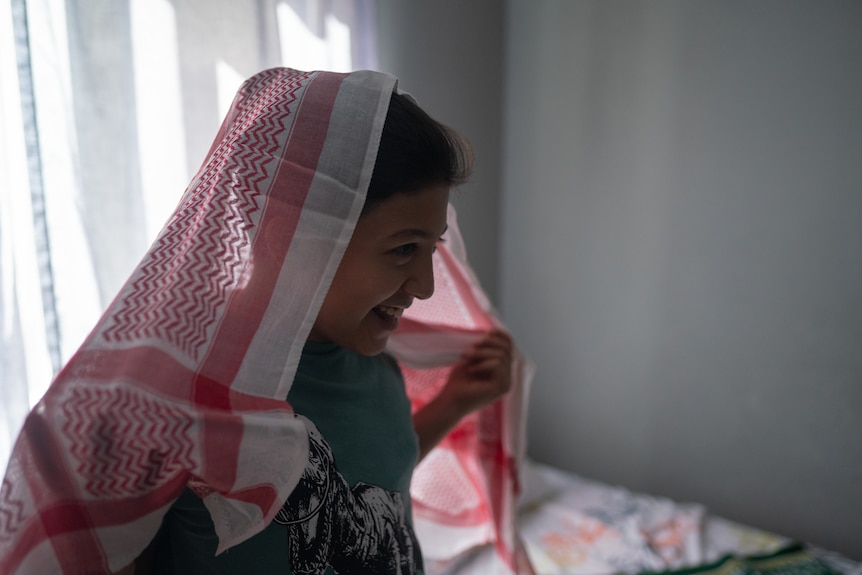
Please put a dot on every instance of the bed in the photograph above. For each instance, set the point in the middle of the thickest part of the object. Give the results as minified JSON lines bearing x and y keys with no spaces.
{"x":575,"y":526}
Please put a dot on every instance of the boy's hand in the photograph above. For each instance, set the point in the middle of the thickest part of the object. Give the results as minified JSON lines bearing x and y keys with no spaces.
{"x":483,"y":376}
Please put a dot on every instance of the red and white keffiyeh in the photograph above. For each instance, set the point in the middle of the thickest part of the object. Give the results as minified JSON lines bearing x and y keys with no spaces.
{"x":465,"y":490}
{"x":183,"y":379}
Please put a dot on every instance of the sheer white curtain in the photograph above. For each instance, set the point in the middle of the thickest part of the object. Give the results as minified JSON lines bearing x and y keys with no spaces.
{"x":106,"y":109}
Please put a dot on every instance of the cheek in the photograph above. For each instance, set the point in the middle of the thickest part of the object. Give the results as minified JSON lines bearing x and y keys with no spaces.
{"x":374,"y":283}
{"x":351,"y":298}
{"x":363,"y":283}
{"x":370,"y":294}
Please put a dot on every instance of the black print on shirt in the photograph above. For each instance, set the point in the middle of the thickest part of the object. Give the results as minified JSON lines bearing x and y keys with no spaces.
{"x":355,"y":531}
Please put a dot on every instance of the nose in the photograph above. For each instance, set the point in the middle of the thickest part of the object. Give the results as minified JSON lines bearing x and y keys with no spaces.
{"x":420,"y":283}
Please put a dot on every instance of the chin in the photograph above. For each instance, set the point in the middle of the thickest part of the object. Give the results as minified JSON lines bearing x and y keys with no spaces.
{"x":368,"y":350}
{"x":369,"y":347}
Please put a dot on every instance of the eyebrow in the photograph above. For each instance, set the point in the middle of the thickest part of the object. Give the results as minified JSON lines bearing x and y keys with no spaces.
{"x":417,"y":233}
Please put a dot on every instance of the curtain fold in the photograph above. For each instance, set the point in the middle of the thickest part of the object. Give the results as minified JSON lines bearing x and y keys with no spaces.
{"x":30,"y":136}
{"x":107,"y":109}
{"x":29,"y":343}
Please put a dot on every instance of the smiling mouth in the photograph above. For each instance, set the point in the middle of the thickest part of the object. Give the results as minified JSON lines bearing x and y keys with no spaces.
{"x":389,"y":312}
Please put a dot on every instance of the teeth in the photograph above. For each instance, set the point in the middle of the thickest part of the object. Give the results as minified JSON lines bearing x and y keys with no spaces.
{"x":391,"y":311}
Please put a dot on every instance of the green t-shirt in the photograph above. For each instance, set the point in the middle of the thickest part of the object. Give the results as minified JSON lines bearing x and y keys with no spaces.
{"x":360,"y":407}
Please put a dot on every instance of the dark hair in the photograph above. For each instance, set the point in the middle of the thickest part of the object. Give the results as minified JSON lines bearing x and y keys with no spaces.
{"x":416,"y":151}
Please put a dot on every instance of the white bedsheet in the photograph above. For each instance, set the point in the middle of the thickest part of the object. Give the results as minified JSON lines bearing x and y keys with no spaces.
{"x":575,"y":526}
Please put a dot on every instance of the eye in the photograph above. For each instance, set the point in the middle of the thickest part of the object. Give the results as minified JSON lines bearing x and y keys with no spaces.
{"x":405,"y":250}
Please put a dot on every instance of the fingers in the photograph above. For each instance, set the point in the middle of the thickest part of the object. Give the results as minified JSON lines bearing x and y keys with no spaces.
{"x":496,"y":343}
{"x":494,"y":349}
{"x":491,"y":360}
{"x":483,"y":375}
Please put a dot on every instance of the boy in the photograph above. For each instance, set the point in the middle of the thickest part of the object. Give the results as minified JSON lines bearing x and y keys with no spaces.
{"x":308,"y":230}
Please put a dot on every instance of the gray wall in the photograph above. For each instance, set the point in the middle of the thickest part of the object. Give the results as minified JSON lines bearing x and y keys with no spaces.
{"x":681,"y":250}
{"x":672,"y":231}
{"x":448,"y":54}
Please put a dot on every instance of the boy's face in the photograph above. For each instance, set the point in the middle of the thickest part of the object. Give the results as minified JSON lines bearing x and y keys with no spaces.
{"x":386,"y":265}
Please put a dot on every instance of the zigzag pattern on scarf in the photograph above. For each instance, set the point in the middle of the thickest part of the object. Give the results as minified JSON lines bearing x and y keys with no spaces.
{"x":131,"y":456}
{"x":178,"y":295}
{"x":12,"y":513}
